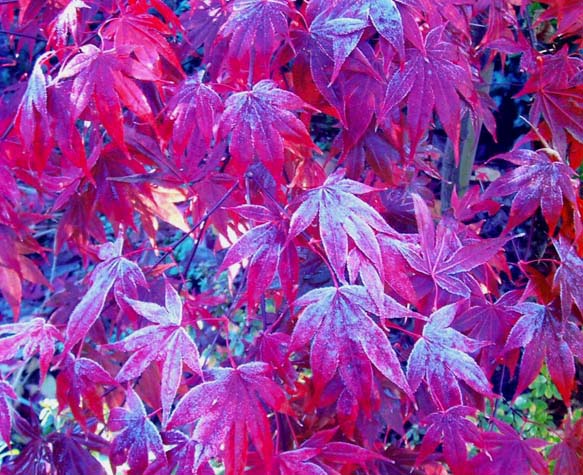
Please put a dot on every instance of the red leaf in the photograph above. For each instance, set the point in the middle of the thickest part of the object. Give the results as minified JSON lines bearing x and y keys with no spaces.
{"x":345,"y":339}
{"x":440,"y":358}
{"x":193,"y":111}
{"x":30,"y":338}
{"x":32,"y":119}
{"x":438,"y":78}
{"x":539,"y":180}
{"x":341,"y":215}
{"x":557,"y":96}
{"x":269,"y":251}
{"x":507,"y":449}
{"x":261,"y":124}
{"x":543,"y":337}
{"x":569,"y":277}
{"x":71,"y":458}
{"x":115,"y":271}
{"x":6,"y":392}
{"x":229,"y":410}
{"x":167,"y":342}
{"x":139,"y":436}
{"x":452,"y":429}
{"x":80,"y":384}
{"x":569,"y":452}
{"x":106,"y":79}
{"x":256,"y":28}
{"x":335,"y":31}
{"x":442,"y":256}
{"x":144,"y":35}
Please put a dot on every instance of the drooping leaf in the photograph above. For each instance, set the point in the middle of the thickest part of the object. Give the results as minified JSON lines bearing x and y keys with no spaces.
{"x":261,"y":124}
{"x":346,"y":339}
{"x":452,"y":429}
{"x":115,"y":271}
{"x":341,"y":215}
{"x":138,"y":435}
{"x":6,"y":392}
{"x":546,"y":338}
{"x":30,"y":338}
{"x":439,"y":79}
{"x":229,"y":410}
{"x":32,"y":119}
{"x":193,"y":111}
{"x":107,"y":81}
{"x":167,"y":342}
{"x":569,"y":277}
{"x":440,"y":358}
{"x":540,"y":180}
{"x":334,"y":32}
{"x":507,"y":449}
{"x":66,"y":24}
{"x":256,"y":28}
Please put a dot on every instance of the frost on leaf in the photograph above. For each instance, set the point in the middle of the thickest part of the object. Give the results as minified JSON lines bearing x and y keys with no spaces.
{"x":440,"y":358}
{"x":346,"y":339}
{"x":229,"y":410}
{"x":167,"y":342}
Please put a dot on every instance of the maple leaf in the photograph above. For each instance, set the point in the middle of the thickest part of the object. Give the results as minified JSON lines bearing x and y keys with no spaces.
{"x":115,"y":271}
{"x":30,"y":338}
{"x":144,"y":35}
{"x":334,"y":32}
{"x":452,"y":429}
{"x":341,"y":215}
{"x":437,"y":78}
{"x":385,"y":18}
{"x":569,"y":452}
{"x":193,"y":111}
{"x":88,"y":70}
{"x":269,"y":251}
{"x":345,"y":339}
{"x":568,"y":277}
{"x":492,"y":322}
{"x":6,"y":392}
{"x":72,"y":456}
{"x":229,"y":409}
{"x":568,"y":15}
{"x":440,"y":358}
{"x":320,"y":455}
{"x":256,"y":27}
{"x":66,"y":25}
{"x":15,"y":266}
{"x":545,"y":338}
{"x":442,"y":256}
{"x":138,"y":436}
{"x":80,"y":383}
{"x":261,"y":125}
{"x":540,"y":180}
{"x":187,"y":456}
{"x":167,"y":342}
{"x":557,"y":96}
{"x":32,"y":117}
{"x":507,"y":449}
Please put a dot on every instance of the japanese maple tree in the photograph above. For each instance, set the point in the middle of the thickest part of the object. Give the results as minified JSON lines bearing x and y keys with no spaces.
{"x":279,"y":237}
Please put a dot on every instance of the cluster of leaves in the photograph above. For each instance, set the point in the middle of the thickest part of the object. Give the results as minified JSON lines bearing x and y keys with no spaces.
{"x":267,"y":236}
